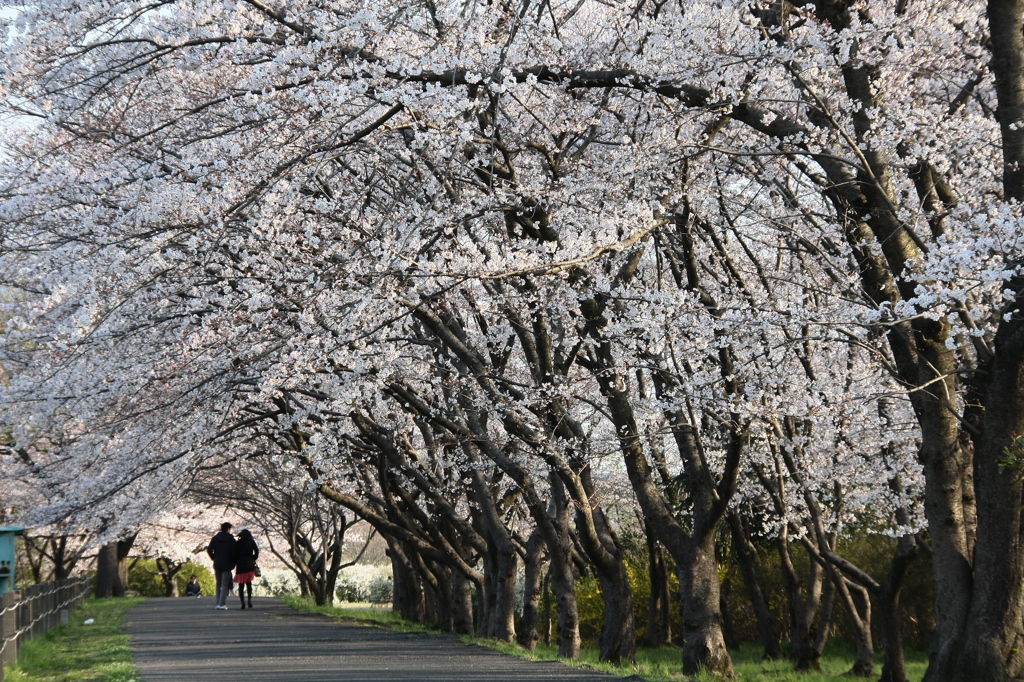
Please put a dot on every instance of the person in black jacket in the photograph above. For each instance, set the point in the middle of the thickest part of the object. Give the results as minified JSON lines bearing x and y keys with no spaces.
{"x":193,"y":589}
{"x":245,"y":571}
{"x":222,"y":549}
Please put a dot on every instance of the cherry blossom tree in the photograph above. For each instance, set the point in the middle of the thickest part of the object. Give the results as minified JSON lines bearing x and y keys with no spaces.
{"x":469,"y":265}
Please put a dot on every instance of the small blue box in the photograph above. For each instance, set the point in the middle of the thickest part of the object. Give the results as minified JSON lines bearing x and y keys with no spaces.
{"x":8,"y":561}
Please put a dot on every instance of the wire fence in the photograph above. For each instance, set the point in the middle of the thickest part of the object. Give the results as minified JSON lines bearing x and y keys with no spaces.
{"x":33,"y":610}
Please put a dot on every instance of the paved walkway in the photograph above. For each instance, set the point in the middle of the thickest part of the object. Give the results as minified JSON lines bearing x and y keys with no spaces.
{"x":187,"y":640}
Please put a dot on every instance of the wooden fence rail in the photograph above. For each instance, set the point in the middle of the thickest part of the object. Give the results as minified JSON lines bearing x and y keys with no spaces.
{"x":31,"y":611}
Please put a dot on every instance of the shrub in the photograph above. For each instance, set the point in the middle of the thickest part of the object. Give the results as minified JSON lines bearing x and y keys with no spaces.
{"x":276,"y":582}
{"x":143,"y":579}
{"x":366,"y":583}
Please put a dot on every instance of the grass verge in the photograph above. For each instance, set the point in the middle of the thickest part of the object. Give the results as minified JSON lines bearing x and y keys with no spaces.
{"x":656,"y":665}
{"x":663,"y":664}
{"x":81,"y":653}
{"x":360,"y":615}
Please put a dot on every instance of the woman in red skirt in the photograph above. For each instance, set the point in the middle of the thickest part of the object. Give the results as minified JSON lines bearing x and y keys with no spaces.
{"x":245,"y":568}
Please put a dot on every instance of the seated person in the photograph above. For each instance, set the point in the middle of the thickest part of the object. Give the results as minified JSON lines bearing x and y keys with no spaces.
{"x":193,"y":589}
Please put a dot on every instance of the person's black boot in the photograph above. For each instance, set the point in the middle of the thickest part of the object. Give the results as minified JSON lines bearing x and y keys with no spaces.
{"x":243,"y":603}
{"x":250,"y":602}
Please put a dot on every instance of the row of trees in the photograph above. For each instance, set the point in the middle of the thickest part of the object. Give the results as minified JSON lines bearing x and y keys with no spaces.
{"x":494,"y":277}
{"x":304,"y":531}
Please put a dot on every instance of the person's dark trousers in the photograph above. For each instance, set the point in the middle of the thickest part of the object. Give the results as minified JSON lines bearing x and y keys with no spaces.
{"x":223,"y":586}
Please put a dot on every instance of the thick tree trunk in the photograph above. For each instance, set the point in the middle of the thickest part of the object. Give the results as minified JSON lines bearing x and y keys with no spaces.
{"x":407,"y":594}
{"x":991,"y":646}
{"x":894,"y":669}
{"x":108,"y":579}
{"x":63,"y":563}
{"x":943,"y":461}
{"x":503,"y":616}
{"x":462,"y":600}
{"x":438,"y":594}
{"x":989,"y":642}
{"x":169,"y":573}
{"x":501,"y":561}
{"x":618,"y":633}
{"x":703,"y":643}
{"x":563,"y":577}
{"x":533,"y":578}
{"x":446,"y":596}
{"x":331,"y":575}
{"x":563,"y":584}
{"x":112,"y":568}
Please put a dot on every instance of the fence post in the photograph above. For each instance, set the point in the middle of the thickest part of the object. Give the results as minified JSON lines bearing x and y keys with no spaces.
{"x":24,"y":610}
{"x":33,"y":610}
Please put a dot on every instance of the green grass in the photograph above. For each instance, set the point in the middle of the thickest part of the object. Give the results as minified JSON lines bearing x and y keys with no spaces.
{"x":664,"y":664}
{"x":75,"y":652}
{"x":837,"y":659}
{"x":656,"y":665}
{"x":357,"y":614}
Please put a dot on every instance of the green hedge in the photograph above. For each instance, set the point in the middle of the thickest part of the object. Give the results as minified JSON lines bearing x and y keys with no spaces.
{"x":141,"y":578}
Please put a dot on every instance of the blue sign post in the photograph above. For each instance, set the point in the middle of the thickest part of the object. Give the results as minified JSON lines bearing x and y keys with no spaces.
{"x":7,"y":558}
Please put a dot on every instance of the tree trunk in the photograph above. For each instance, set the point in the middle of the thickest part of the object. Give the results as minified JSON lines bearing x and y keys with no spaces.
{"x":703,"y":642}
{"x":533,"y":578}
{"x":746,"y":556}
{"x":462,"y":599}
{"x":858,"y":611}
{"x":436,"y":594}
{"x":487,"y":596}
{"x":545,"y":614}
{"x":108,"y":579}
{"x":823,"y":629}
{"x":728,"y":629}
{"x":445,"y":621}
{"x":407,"y":594}
{"x":124,"y":547}
{"x":618,"y":633}
{"x":169,"y":573}
{"x":894,"y":668}
{"x":991,"y":646}
{"x":563,"y":578}
{"x":503,"y":615}
{"x":501,"y":557}
{"x":659,"y":609}
{"x":331,"y":575}
{"x":803,"y":605}
{"x":112,"y":568}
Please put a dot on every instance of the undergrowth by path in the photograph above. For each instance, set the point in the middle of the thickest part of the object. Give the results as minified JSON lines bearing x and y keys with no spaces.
{"x":655,"y":665}
{"x":81,"y":653}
